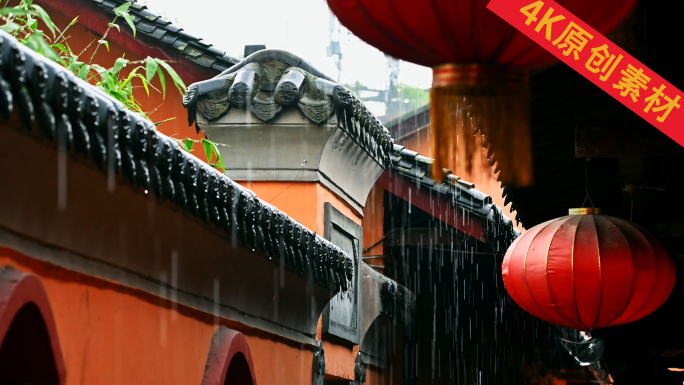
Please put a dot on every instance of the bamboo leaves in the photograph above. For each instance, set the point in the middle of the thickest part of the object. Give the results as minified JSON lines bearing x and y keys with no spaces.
{"x":22,"y":22}
{"x":211,"y":150}
{"x":122,"y":11}
{"x":120,"y":81}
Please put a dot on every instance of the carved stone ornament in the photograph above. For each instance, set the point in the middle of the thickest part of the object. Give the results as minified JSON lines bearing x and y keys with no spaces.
{"x":264,"y":106}
{"x":318,"y":363}
{"x":359,"y":370}
{"x":271,"y":81}
{"x":342,"y":316}
{"x":283,"y":120}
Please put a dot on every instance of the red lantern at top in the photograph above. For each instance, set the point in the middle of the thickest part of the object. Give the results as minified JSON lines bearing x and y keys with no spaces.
{"x":480,"y":66}
{"x":588,"y":271}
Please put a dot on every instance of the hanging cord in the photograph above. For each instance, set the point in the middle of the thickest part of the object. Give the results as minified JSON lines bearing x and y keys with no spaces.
{"x":586,"y":185}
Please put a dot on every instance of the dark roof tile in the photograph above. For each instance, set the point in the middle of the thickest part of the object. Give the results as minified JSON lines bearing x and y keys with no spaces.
{"x":260,"y":216}
{"x":416,"y":168}
{"x":158,"y":33}
{"x":145,"y":27}
{"x":108,"y":4}
{"x":149,"y":15}
{"x":220,"y":66}
{"x":180,"y":45}
{"x":193,"y":52}
{"x":188,"y":36}
{"x":203,"y":60}
{"x":173,"y":28}
{"x":408,"y":153}
{"x":169,"y":38}
{"x":216,"y":51}
{"x":200,"y":44}
{"x":162,"y":21}
{"x":230,"y":59}
{"x":156,"y":27}
{"x":427,"y":181}
{"x":405,"y":164}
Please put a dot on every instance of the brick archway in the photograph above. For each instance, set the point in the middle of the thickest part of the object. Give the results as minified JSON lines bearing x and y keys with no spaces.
{"x":29,"y":347}
{"x":230,"y":360}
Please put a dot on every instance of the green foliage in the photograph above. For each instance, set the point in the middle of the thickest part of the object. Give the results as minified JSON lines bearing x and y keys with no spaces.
{"x":22,"y":23}
{"x":210,"y":150}
{"x":122,"y":11}
{"x":186,"y":144}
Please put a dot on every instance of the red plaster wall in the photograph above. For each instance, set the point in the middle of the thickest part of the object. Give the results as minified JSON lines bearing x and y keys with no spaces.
{"x":305,"y":202}
{"x":373,"y":225}
{"x":113,"y":334}
{"x":302,"y":201}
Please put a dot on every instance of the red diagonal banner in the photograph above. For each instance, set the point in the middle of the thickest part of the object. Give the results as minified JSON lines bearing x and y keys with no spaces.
{"x":599,"y":60}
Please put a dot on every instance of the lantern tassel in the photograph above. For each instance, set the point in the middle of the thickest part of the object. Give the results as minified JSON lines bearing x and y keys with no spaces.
{"x":475,"y":107}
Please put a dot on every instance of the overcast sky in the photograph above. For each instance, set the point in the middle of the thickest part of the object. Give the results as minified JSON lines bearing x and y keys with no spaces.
{"x":299,"y":26}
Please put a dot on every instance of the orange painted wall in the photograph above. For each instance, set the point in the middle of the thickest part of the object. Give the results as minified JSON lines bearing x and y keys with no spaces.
{"x":377,"y":376}
{"x":373,"y":225}
{"x":302,"y":201}
{"x":339,"y":359}
{"x":305,"y":202}
{"x":157,"y":106}
{"x":481,"y":174}
{"x":325,"y":195}
{"x":296,"y":199}
{"x":113,"y":334}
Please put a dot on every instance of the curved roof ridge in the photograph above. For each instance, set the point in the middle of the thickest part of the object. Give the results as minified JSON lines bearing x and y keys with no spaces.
{"x":417,"y":168}
{"x":284,"y":80}
{"x":171,"y":36}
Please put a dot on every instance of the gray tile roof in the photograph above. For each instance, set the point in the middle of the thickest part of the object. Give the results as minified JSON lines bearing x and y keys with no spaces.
{"x":406,"y":162}
{"x":100,"y":130}
{"x":171,"y":36}
{"x":416,"y":168}
{"x":362,"y":126}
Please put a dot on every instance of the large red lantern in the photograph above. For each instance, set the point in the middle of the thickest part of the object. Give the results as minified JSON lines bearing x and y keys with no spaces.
{"x":480,"y":66}
{"x":588,"y":271}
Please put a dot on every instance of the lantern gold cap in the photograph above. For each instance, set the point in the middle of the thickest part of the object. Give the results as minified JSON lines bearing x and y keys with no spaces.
{"x":585,"y":211}
{"x":471,"y":74}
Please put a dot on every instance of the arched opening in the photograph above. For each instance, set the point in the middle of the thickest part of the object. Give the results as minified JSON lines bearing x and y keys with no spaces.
{"x":238,"y":372}
{"x":230,"y":360}
{"x":29,"y":348}
{"x":26,"y":354}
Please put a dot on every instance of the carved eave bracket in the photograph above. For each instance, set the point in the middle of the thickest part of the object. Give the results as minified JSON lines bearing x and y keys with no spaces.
{"x":267,"y":84}
{"x":359,"y":370}
{"x":336,"y":141}
{"x":388,"y":308}
{"x":318,"y":366}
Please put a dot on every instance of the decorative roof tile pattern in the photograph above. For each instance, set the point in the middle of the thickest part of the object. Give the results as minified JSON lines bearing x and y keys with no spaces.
{"x":463,"y":194}
{"x":249,"y":78}
{"x":274,"y":80}
{"x":171,"y":36}
{"x":100,"y":130}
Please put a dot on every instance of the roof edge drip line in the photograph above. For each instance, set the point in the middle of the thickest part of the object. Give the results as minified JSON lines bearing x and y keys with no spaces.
{"x":99,"y":129}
